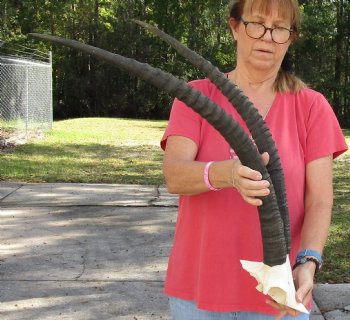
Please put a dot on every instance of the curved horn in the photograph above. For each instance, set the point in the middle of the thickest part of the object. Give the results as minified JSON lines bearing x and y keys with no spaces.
{"x":247,"y":111}
{"x":274,"y":246}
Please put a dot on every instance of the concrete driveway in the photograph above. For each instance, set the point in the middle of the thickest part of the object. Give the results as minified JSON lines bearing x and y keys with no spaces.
{"x":77,"y":251}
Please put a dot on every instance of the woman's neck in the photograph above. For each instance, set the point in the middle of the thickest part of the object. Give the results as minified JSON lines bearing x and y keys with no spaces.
{"x":253,"y":82}
{"x":259,"y":89}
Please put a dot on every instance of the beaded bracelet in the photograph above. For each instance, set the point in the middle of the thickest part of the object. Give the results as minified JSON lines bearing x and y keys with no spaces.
{"x":206,"y":177}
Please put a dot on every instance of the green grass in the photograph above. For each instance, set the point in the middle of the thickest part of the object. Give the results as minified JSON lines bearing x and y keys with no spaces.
{"x":91,"y":150}
{"x":10,"y":126}
{"x":97,"y":150}
{"x":337,"y":252}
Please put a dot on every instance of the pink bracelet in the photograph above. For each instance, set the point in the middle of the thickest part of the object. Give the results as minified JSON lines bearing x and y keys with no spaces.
{"x":206,"y":177}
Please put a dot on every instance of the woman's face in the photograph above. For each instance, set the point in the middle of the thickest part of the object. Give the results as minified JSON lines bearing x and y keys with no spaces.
{"x":260,"y":54}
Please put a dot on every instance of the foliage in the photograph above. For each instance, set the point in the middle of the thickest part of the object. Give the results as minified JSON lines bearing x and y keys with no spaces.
{"x":322,"y":53}
{"x":86,"y":87}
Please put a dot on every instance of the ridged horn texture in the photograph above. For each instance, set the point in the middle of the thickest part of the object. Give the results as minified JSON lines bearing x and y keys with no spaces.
{"x":274,"y":245}
{"x":255,"y":123}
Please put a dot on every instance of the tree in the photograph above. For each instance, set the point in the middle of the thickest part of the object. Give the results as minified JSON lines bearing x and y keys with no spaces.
{"x":321,"y":55}
{"x":84,"y":86}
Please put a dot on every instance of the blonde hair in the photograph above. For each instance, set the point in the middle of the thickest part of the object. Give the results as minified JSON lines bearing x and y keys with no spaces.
{"x":288,"y":9}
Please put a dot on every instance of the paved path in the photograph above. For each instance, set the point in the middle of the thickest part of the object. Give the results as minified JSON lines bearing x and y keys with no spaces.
{"x":74,"y":251}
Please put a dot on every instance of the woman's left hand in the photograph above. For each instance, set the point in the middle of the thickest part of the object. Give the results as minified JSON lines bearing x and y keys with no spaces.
{"x":303,"y":277}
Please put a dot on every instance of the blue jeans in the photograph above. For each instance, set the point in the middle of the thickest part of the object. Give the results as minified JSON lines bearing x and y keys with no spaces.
{"x":187,"y":310}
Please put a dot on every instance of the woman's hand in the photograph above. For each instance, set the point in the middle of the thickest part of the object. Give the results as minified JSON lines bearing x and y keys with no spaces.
{"x":303,"y":277}
{"x":249,"y":182}
{"x":184,"y":175}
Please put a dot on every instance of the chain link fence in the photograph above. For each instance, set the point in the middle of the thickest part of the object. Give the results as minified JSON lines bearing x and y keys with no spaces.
{"x":25,"y":95}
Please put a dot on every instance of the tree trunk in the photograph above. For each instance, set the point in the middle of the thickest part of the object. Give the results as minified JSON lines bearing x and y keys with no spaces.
{"x":338,"y":60}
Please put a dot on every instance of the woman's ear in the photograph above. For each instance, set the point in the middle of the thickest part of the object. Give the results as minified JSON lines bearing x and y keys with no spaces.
{"x":234,"y":24}
{"x":294,"y":37}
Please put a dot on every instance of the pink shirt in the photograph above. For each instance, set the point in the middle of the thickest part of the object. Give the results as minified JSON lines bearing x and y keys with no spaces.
{"x":215,"y":230}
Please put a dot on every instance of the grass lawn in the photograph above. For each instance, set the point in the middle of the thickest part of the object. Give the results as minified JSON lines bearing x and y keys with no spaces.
{"x":100,"y":150}
{"x":91,"y":150}
{"x":337,"y":252}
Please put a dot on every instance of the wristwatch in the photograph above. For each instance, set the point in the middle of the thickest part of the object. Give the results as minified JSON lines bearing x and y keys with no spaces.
{"x":309,"y":255}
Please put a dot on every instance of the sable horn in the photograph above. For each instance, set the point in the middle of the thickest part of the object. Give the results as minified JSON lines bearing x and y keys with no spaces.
{"x":255,"y":123}
{"x":274,"y":245}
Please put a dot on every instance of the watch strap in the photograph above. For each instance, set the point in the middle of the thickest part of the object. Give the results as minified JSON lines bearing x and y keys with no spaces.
{"x":309,"y":255}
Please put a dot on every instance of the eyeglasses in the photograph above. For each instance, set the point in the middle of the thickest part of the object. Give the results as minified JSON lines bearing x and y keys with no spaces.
{"x":257,"y":30}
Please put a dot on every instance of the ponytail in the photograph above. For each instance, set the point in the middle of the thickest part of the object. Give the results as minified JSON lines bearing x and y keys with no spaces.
{"x":286,"y":79}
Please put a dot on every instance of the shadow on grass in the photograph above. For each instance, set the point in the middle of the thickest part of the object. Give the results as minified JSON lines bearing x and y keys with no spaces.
{"x":336,"y":268}
{"x":91,"y":163}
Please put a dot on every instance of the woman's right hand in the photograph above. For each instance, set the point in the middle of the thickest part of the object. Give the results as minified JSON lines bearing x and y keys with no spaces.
{"x":249,"y":182}
{"x":184,"y":175}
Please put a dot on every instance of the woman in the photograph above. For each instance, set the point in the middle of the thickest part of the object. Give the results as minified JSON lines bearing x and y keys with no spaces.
{"x":218,"y":224}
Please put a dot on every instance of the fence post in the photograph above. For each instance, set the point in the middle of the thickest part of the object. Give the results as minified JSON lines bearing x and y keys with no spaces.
{"x":51,"y":91}
{"x":27,"y":100}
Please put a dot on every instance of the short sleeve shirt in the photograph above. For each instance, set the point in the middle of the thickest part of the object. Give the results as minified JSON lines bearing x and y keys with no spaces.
{"x":216,"y":229}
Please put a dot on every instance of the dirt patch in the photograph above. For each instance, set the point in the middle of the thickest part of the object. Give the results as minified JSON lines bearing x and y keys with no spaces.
{"x":10,"y":139}
{"x":7,"y":143}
